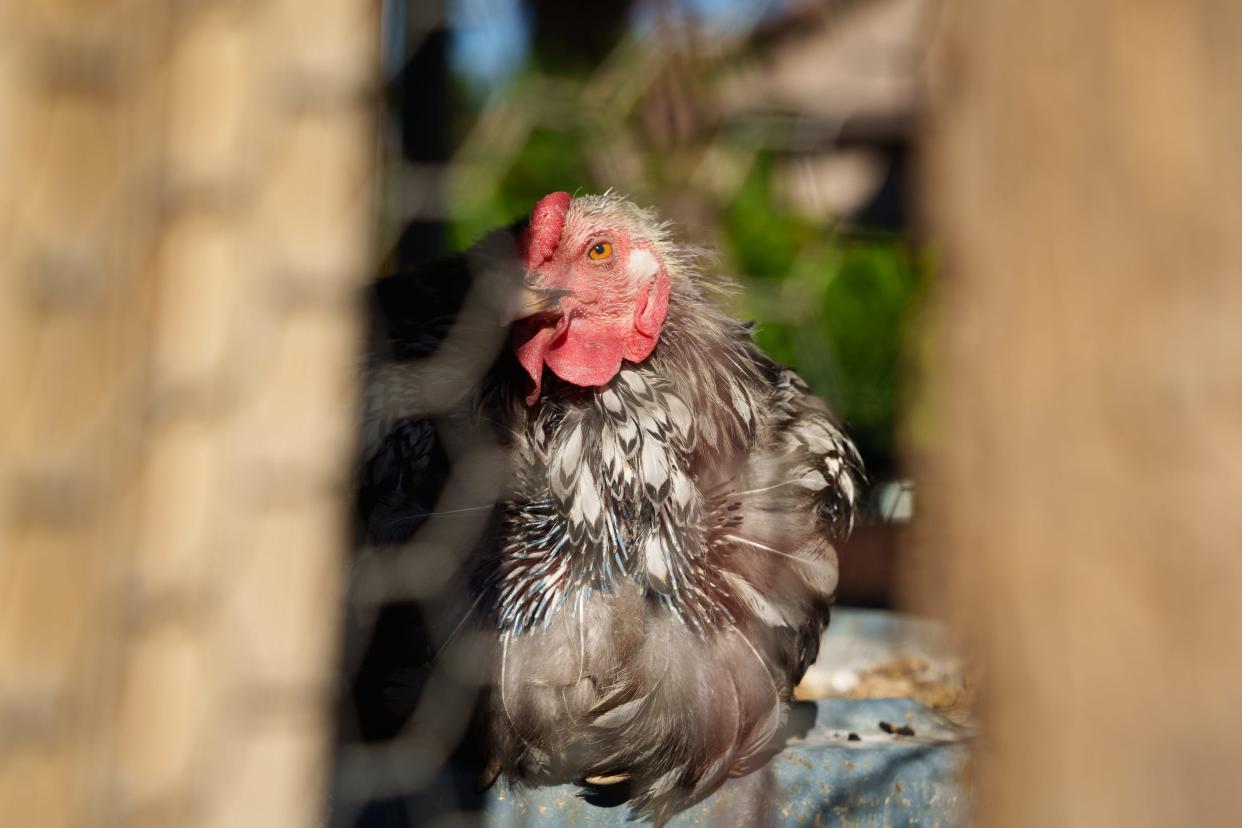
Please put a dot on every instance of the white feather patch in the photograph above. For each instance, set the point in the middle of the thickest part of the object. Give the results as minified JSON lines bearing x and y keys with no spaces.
{"x":611,"y":453}
{"x":588,"y":503}
{"x":683,"y":489}
{"x":635,"y":381}
{"x":627,"y":431}
{"x":568,"y":461}
{"x":740,"y":403}
{"x":648,"y":423}
{"x":847,"y":486}
{"x":642,"y":265}
{"x":818,"y":442}
{"x":820,"y":574}
{"x":679,"y":414}
{"x":821,"y":430}
{"x":654,"y":464}
{"x":751,"y":597}
{"x":620,"y":715}
{"x":654,"y":561}
{"x":813,"y":481}
{"x":611,"y":401}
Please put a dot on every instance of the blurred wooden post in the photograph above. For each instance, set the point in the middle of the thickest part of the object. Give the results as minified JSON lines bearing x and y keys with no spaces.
{"x":185,"y":209}
{"x":1086,"y":180}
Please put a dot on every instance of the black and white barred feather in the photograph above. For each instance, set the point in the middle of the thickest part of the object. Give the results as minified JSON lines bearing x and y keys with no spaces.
{"x":662,"y":562}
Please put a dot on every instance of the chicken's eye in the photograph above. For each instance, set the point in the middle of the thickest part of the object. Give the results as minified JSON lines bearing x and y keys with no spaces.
{"x":601,"y":251}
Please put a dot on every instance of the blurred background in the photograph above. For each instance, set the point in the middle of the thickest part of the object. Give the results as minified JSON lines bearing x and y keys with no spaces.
{"x":999,"y":237}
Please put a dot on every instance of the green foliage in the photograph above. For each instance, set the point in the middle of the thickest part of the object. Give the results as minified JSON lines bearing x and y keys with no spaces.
{"x":550,"y":160}
{"x":763,"y":240}
{"x":836,"y":309}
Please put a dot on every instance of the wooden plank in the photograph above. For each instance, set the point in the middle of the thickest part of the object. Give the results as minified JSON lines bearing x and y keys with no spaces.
{"x":1084,"y":177}
{"x":185,"y":210}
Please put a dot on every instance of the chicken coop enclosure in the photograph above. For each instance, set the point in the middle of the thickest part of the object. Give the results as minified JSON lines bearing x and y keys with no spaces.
{"x":998,"y":238}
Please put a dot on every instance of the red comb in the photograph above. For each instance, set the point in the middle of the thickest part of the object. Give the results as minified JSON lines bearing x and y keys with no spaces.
{"x":547,"y":221}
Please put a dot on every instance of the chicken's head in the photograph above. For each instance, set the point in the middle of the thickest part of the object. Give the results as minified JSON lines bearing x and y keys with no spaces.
{"x":597,"y":290}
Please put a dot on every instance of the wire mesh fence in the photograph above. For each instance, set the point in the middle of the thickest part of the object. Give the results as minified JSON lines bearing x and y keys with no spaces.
{"x":799,"y":189}
{"x":188,"y":216}
{"x":199,"y":624}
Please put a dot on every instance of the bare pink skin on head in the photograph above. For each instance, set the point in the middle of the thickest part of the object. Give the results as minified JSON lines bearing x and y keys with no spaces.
{"x":614,"y":308}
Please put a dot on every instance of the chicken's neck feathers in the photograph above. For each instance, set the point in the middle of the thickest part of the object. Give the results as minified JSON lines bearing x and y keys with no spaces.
{"x":609,"y":481}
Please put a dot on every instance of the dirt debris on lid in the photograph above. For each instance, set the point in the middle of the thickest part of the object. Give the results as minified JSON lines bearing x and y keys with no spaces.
{"x":897,"y":730}
{"x":907,"y":676}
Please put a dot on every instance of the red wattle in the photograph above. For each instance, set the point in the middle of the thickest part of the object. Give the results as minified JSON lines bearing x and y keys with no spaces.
{"x":589,"y":353}
{"x":531,"y":341}
{"x":579,"y":351}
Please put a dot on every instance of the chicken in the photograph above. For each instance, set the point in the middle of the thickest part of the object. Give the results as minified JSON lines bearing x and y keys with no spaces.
{"x":660,"y":564}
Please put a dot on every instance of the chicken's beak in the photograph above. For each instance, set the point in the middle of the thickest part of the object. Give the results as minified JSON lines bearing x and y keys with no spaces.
{"x":530,"y":301}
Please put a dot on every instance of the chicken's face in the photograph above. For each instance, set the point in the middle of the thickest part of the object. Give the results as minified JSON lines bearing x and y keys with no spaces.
{"x":598,"y":292}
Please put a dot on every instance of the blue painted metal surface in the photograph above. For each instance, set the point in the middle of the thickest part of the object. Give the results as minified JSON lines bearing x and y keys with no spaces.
{"x":822,"y":777}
